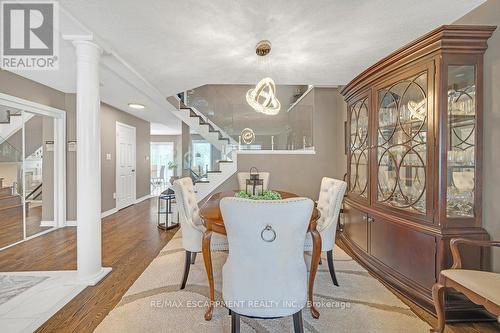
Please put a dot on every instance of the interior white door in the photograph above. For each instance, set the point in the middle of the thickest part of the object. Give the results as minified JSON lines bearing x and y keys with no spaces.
{"x":125,"y":165}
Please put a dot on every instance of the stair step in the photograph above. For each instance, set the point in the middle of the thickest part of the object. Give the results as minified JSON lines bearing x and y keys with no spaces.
{"x":224,"y":161}
{"x":214,"y":171}
{"x":202,"y":181}
{"x":5,"y":191}
{"x":11,"y":207}
{"x":6,"y":196}
{"x":9,"y":202}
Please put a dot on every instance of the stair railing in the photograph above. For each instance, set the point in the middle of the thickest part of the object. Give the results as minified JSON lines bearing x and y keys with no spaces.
{"x":32,"y":193}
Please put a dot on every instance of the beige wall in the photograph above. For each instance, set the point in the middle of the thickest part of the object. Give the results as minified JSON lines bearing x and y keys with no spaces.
{"x":70,"y":103}
{"x":302,"y":174}
{"x":489,"y":14}
{"x":18,"y":86}
{"x":109,"y":117}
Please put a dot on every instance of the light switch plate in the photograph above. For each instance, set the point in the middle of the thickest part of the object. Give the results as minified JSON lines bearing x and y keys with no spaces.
{"x":108,"y":157}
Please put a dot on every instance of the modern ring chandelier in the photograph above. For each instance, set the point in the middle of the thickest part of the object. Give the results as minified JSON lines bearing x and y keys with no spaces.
{"x":263,"y":98}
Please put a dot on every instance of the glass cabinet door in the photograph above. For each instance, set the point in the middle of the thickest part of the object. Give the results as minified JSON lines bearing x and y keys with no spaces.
{"x":401,"y":147}
{"x":358,"y":148}
{"x":461,"y":141}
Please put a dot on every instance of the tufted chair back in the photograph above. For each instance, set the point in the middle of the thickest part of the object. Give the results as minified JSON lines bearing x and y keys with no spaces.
{"x":189,"y":214}
{"x":329,"y":203}
{"x":260,"y":268}
{"x":243,"y":176}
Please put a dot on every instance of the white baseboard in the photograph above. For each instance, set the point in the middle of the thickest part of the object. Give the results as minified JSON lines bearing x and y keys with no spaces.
{"x":93,"y":280}
{"x":108,"y":212}
{"x":47,"y":223}
{"x":141,"y":199}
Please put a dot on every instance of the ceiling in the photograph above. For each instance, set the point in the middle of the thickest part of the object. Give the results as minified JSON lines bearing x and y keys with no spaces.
{"x":171,"y":46}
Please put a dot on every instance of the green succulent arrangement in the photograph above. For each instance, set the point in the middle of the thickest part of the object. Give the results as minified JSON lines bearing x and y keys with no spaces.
{"x":266,"y":195}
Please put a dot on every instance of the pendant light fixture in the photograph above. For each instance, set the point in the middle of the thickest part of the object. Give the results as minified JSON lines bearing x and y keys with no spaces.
{"x":263,"y":98}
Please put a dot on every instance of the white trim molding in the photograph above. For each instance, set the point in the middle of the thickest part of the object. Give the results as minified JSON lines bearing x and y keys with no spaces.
{"x":109,"y":212}
{"x":47,"y":223}
{"x":146,"y":197}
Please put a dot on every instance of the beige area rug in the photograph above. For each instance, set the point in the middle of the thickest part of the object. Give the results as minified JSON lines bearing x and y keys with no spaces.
{"x":154,"y":303}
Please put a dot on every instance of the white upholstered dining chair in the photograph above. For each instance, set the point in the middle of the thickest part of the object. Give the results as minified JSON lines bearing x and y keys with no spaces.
{"x":192,"y":227}
{"x":266,"y":258}
{"x":243,"y":176}
{"x":329,"y":203}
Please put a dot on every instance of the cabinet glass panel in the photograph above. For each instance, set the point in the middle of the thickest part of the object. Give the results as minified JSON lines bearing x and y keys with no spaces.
{"x":402,"y":144}
{"x":359,"y":148}
{"x":461,"y":146}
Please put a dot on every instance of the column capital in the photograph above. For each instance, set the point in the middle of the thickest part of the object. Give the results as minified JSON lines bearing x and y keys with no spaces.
{"x":87,"y":51}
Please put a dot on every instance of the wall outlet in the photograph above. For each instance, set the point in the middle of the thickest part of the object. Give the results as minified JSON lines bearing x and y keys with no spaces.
{"x":108,"y":157}
{"x":114,"y":195}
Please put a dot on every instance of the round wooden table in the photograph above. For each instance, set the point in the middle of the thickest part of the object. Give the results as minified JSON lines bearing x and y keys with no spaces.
{"x":212,"y":219}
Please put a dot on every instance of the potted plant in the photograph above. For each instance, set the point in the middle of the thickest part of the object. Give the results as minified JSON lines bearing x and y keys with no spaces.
{"x":172,"y":166}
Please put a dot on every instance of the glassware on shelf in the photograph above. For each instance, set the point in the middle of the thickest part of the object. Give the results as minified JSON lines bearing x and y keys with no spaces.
{"x":402,"y":144}
{"x":461,"y":141}
{"x":359,"y":148}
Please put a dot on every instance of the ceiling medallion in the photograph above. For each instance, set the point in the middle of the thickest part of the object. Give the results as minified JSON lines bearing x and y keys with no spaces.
{"x":263,"y":98}
{"x":263,"y":48}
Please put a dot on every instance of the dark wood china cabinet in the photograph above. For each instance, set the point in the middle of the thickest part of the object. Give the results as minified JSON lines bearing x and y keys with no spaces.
{"x":415,"y":161}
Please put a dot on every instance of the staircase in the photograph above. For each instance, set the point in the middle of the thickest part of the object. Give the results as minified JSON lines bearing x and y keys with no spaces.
{"x":216,"y":137}
{"x":9,"y":200}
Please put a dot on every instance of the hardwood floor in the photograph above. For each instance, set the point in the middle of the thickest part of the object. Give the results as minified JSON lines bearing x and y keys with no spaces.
{"x":130,"y":241}
{"x":11,"y":224}
{"x":484,"y":327}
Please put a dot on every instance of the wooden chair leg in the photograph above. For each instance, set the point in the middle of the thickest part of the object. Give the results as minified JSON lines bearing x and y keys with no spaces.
{"x":331,"y":268}
{"x":193,"y":258}
{"x":298,"y":325}
{"x":438,"y":296}
{"x":235,"y":322}
{"x":187,"y":263}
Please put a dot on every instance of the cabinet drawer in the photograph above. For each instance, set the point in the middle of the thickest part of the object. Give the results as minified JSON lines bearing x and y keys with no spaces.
{"x":407,"y":251}
{"x":356,"y":226}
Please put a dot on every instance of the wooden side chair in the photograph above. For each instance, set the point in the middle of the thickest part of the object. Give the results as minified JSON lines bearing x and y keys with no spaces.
{"x":480,"y":287}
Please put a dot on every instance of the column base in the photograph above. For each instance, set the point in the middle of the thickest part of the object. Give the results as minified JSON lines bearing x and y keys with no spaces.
{"x":94,"y":279}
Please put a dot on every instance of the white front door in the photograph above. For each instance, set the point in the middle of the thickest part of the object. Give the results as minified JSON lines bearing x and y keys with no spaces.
{"x":125,"y":165}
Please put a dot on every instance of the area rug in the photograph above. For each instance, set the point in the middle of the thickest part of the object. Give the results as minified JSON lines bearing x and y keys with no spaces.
{"x":14,"y":285}
{"x":154,"y":302}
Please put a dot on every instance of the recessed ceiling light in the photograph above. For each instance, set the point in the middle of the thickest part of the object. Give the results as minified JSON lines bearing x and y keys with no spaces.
{"x":136,"y":106}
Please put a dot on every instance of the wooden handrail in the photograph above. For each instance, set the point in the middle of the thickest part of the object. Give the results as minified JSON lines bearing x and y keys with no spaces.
{"x":455,"y":252}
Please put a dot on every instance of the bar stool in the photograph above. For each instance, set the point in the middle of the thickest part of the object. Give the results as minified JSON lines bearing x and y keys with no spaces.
{"x":170,"y":212}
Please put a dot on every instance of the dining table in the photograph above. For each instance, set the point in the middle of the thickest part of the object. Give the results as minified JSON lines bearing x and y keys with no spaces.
{"x":212,"y":220}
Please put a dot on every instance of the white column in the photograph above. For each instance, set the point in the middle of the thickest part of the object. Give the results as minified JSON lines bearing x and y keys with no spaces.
{"x":88,"y":133}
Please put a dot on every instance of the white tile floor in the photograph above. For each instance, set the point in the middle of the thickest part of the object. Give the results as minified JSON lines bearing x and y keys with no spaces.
{"x":28,"y":310}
